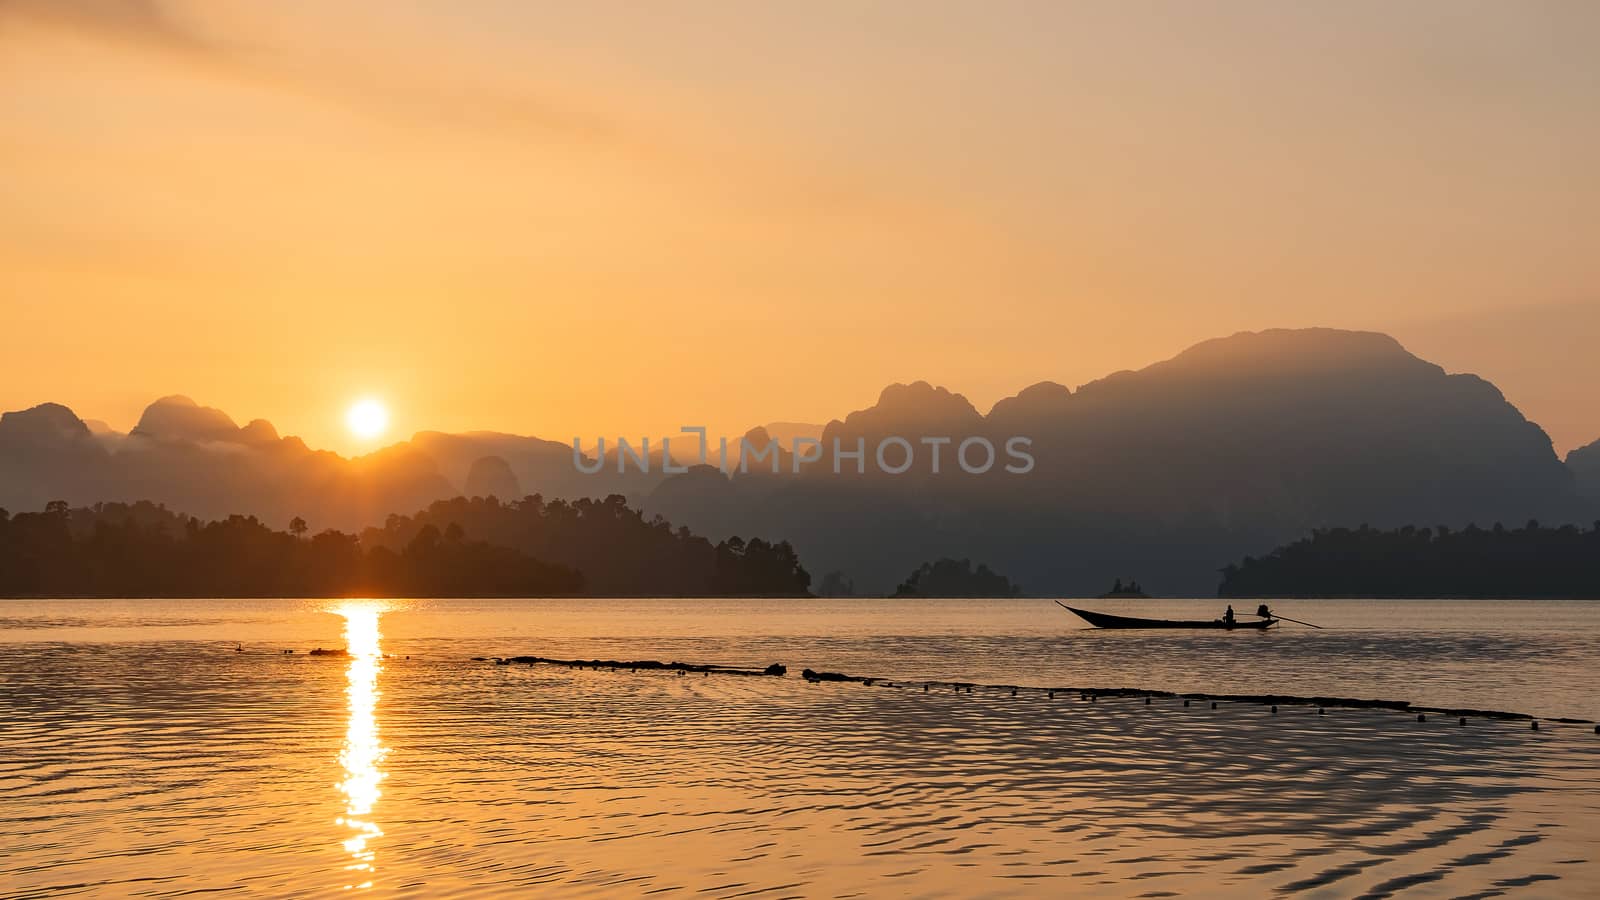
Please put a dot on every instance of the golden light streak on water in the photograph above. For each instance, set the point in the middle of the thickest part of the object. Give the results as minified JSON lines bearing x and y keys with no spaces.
{"x":362,"y":752}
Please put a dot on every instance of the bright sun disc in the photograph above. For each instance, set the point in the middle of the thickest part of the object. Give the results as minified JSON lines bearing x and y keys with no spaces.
{"x":367,"y":419}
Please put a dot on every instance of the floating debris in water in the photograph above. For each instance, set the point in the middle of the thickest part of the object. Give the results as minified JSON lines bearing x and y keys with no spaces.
{"x":1090,"y":695}
{"x":633,"y":666}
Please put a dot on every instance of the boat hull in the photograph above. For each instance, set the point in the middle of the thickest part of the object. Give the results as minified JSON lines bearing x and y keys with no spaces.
{"x":1106,"y":620}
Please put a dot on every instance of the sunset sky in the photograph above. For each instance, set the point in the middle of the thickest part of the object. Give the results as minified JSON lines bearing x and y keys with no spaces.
{"x":600,"y":218}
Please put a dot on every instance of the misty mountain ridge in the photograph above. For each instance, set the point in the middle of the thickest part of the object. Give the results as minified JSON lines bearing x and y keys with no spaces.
{"x":1170,"y":471}
{"x":1585,"y":465}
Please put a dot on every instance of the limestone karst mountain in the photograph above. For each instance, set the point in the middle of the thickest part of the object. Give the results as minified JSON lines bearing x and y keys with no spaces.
{"x":1585,"y":465}
{"x":491,"y":476}
{"x":1228,"y":448}
{"x":195,"y":459}
{"x":1231,"y":447}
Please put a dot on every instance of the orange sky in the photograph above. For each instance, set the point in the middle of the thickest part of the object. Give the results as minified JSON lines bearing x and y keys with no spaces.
{"x":581,"y":219}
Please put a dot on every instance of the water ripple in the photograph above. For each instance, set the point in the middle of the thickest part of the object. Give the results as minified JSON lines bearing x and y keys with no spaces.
{"x":162,"y":768}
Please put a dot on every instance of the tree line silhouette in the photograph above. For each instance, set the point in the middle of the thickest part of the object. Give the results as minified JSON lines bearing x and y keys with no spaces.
{"x":1532,"y":561}
{"x":593,"y":548}
{"x":619,"y":550}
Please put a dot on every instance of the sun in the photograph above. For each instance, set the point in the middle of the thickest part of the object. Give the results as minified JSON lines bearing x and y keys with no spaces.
{"x":367,"y":419}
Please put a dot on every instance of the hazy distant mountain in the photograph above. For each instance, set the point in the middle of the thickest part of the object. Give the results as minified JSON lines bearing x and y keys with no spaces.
{"x":907,"y":411}
{"x":177,"y":418}
{"x":767,"y":453}
{"x":491,"y":476}
{"x":47,"y":453}
{"x":1289,"y":428}
{"x":1232,"y":447}
{"x":534,"y":462}
{"x":786,"y":432}
{"x":546,"y":467}
{"x":1167,"y":473}
{"x":1585,"y":465}
{"x":195,"y":459}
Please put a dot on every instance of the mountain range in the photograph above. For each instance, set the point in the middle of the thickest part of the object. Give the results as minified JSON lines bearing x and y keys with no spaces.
{"x":1166,"y":473}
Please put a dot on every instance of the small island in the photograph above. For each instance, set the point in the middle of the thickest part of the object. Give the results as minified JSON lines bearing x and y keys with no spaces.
{"x":1131,"y":590}
{"x":948,"y":577}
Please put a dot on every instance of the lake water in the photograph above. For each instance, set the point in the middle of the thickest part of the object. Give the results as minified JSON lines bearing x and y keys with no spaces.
{"x":141,"y":754}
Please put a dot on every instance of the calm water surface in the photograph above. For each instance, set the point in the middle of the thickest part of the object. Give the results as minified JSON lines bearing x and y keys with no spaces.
{"x":141,"y":754}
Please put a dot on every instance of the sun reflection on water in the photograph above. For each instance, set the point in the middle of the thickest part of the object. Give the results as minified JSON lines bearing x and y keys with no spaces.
{"x":361,"y":754}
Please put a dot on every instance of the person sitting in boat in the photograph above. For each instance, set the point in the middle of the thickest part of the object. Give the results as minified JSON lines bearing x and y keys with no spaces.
{"x":1263,"y":611}
{"x":1227,"y":617}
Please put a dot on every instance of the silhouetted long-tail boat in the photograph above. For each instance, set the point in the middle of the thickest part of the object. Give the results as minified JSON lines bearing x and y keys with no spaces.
{"x":1106,"y":620}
